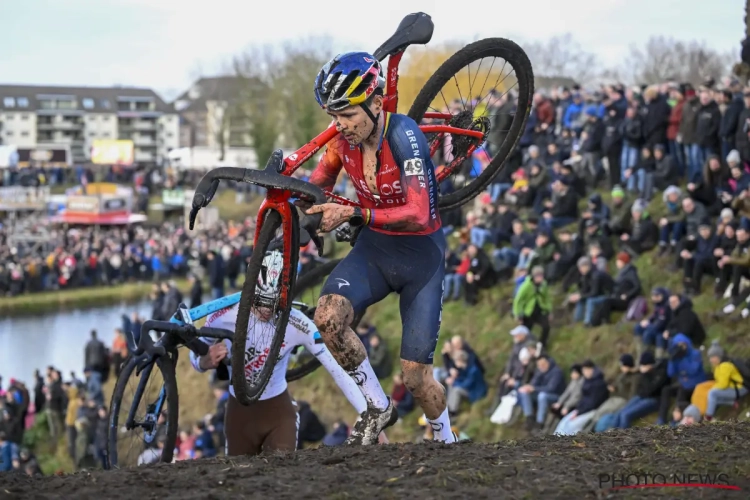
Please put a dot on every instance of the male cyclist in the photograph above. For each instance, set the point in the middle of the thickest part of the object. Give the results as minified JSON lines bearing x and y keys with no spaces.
{"x":271,"y":423}
{"x":401,"y":247}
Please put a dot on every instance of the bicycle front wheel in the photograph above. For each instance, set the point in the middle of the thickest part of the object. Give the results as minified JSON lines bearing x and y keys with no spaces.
{"x":256,"y":345}
{"x":152,"y":402}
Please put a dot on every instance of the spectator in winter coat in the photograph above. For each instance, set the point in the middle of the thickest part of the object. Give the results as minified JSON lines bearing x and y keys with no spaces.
{"x":596,"y":210}
{"x":620,"y":217}
{"x":8,"y":453}
{"x":672,"y":225}
{"x":652,"y":381}
{"x":568,"y":399}
{"x":465,"y":382}
{"x":594,"y":392}
{"x":689,"y":134}
{"x":546,"y":386}
{"x":666,"y":172}
{"x":656,"y":118}
{"x":532,"y":304}
{"x":594,"y":286}
{"x":621,"y":390}
{"x":563,"y":208}
{"x":481,"y":274}
{"x":713,"y":187}
{"x":644,"y":234}
{"x":684,"y":320}
{"x":651,"y":329}
{"x":632,"y":133}
{"x":728,"y":129}
{"x":612,"y":143}
{"x":508,"y":257}
{"x":639,"y":178}
{"x":701,"y":260}
{"x":675,"y":148}
{"x":521,"y":336}
{"x":380,"y":357}
{"x":741,"y":137}
{"x":707,"y":128}
{"x":685,"y":368}
{"x":544,"y":252}
{"x":627,"y":286}
{"x":594,"y":233}
{"x":572,"y":119}
{"x":738,"y":264}
{"x":452,"y":281}
{"x":730,"y":383}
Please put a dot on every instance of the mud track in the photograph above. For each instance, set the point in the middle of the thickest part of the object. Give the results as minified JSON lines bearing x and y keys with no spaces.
{"x":540,"y":467}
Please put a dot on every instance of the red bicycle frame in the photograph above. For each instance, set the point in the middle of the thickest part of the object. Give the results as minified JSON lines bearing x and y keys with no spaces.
{"x":278,"y":200}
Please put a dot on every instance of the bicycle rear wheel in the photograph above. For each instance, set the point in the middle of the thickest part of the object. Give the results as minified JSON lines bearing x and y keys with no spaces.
{"x":254,"y":362}
{"x":432,"y":97}
{"x":157,"y":421}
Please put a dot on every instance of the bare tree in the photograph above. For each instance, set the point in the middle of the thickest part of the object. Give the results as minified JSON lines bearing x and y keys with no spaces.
{"x":562,"y":56}
{"x":299,"y":64}
{"x":258,"y":68}
{"x":662,"y":59}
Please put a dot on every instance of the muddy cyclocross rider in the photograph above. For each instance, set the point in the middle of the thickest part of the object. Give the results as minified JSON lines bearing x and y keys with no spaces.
{"x":400,"y":248}
{"x":271,"y":423}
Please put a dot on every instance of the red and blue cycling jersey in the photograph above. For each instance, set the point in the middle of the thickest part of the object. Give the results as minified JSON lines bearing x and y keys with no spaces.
{"x":407,"y":197}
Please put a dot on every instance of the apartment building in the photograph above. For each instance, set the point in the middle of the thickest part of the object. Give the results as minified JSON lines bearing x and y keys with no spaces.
{"x":47,"y":116}
{"x":209,"y":116}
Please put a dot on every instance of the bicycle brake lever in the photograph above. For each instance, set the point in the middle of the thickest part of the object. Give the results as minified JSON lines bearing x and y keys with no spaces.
{"x":311,"y":223}
{"x":202,"y":199}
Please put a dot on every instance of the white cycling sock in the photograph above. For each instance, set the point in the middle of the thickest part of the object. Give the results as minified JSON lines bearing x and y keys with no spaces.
{"x":728,"y":309}
{"x":441,"y":428}
{"x":368,"y":383}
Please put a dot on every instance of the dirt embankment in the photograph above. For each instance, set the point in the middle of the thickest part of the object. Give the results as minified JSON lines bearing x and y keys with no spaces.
{"x":587,"y":466}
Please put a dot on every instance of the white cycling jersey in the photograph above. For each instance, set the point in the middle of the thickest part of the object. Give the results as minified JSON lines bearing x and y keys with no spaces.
{"x":300,"y":331}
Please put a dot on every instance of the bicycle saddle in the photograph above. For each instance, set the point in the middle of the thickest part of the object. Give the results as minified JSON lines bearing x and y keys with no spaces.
{"x":414,"y":29}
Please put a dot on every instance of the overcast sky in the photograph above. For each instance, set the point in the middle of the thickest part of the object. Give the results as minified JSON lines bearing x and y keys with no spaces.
{"x":164,"y":43}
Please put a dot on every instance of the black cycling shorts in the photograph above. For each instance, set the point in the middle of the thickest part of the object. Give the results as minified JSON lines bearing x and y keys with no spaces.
{"x":413,"y":267}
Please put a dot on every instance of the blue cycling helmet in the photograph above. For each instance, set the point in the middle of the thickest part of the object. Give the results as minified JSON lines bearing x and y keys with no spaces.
{"x":347,"y":80}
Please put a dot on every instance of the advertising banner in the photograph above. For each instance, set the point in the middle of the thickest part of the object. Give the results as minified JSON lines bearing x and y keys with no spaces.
{"x":43,"y":157}
{"x":112,"y":152}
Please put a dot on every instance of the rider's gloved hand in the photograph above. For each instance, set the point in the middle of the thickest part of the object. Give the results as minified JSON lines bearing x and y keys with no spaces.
{"x":216,"y":353}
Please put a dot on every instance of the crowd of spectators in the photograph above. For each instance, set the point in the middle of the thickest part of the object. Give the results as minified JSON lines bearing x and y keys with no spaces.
{"x":572,"y":222}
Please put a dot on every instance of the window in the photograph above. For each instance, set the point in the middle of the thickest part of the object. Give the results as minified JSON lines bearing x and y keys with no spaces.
{"x":47,"y":104}
{"x":88,"y":103}
{"x":24,"y":117}
{"x":23,"y":102}
{"x":105,"y":103}
{"x":105,"y":134}
{"x":9,"y":133}
{"x":92,"y":134}
{"x":105,"y":118}
{"x":24,"y":133}
{"x":9,"y":102}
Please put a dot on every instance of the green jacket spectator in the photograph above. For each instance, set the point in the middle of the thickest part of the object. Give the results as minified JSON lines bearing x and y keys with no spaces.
{"x":529,"y":296}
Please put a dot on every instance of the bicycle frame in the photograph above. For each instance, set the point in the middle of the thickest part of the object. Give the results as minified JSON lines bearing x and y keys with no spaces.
{"x":278,"y":200}
{"x":155,"y":408}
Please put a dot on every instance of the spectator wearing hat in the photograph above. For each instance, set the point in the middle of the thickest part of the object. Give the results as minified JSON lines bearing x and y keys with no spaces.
{"x":739,"y":263}
{"x":591,"y":145}
{"x":627,"y":286}
{"x":593,"y":232}
{"x":656,"y":117}
{"x":594,"y":392}
{"x":694,"y":213}
{"x":690,"y":415}
{"x":739,"y":179}
{"x":700,"y":261}
{"x":621,"y":390}
{"x":612,"y":140}
{"x":620,"y":215}
{"x":562,"y":209}
{"x":730,"y":384}
{"x":338,"y":434}
{"x":508,"y":257}
{"x":685,"y":369}
{"x":672,"y":225}
{"x":652,"y":380}
{"x":544,"y":251}
{"x":532,"y":304}
{"x":465,"y":382}
{"x":666,"y":171}
{"x":521,"y":337}
{"x":644,"y":234}
{"x":593,"y":288}
{"x":545,"y":387}
{"x":574,"y":117}
{"x":597,"y":210}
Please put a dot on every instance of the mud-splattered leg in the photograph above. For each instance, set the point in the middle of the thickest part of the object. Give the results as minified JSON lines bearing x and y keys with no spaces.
{"x":333,"y":316}
{"x":430,"y":395}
